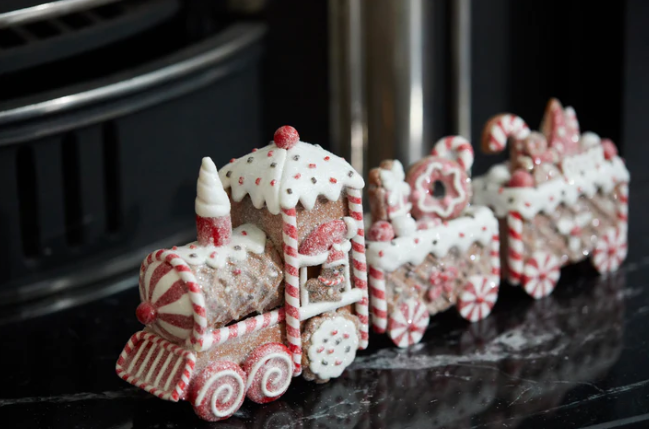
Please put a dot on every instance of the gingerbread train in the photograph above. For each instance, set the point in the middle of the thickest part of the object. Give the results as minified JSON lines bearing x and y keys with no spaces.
{"x":274,"y":287}
{"x":560,"y":198}
{"x":427,"y":249}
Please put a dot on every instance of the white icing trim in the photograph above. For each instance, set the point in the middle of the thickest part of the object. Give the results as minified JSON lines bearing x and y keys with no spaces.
{"x":273,"y":370}
{"x":229,"y":391}
{"x":211,"y":199}
{"x":254,"y":240}
{"x":477,"y":224}
{"x":598,"y":174}
{"x":352,"y":228}
{"x":300,"y":174}
{"x":316,"y":308}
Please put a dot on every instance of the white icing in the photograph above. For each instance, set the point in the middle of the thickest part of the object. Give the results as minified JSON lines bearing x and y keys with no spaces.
{"x":589,"y":139}
{"x":393,"y":181}
{"x":211,"y":199}
{"x":404,"y":225}
{"x":330,"y":352}
{"x":292,"y":178}
{"x":351,"y":226}
{"x":585,"y":174}
{"x":246,"y":238}
{"x":477,"y":224}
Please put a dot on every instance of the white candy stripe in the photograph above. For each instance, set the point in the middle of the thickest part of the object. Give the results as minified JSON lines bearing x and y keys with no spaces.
{"x":457,"y":148}
{"x":515,"y":247}
{"x":292,"y":287}
{"x":159,"y":347}
{"x":359,"y":265}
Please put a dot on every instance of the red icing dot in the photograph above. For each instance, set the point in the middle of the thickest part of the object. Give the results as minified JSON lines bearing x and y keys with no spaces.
{"x":258,"y":181}
{"x":326,"y":158}
{"x":232,"y":160}
{"x":236,"y":272}
{"x":345,"y":335}
{"x":286,"y":137}
{"x":270,"y":153}
{"x":461,"y":234}
{"x":272,"y":182}
{"x":174,"y":248}
{"x":610,"y":150}
{"x":500,"y":190}
{"x":241,"y":180}
{"x":297,"y":176}
{"x":244,"y":233}
{"x":192,"y":247}
{"x":255,"y":150}
{"x":311,"y":165}
{"x":334,"y":332}
{"x":551,"y":197}
{"x":213,"y":255}
{"x":527,"y":204}
{"x":416,"y":241}
{"x":332,"y":180}
{"x":484,"y":228}
{"x":380,"y":253}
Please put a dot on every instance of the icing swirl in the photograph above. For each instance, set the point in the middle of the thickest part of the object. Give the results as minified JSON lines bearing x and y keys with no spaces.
{"x":211,"y":199}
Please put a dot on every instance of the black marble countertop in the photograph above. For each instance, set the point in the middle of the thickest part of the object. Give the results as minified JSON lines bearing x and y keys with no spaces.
{"x":579,"y":358}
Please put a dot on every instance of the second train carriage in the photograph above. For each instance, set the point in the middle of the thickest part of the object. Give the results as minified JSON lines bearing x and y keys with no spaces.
{"x":275,"y":286}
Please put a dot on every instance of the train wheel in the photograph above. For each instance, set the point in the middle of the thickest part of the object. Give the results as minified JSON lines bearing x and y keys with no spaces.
{"x":218,"y":391}
{"x":610,"y":250}
{"x":540,"y":274}
{"x":407,"y":323}
{"x":270,"y":369}
{"x":332,"y":346}
{"x":477,"y":298}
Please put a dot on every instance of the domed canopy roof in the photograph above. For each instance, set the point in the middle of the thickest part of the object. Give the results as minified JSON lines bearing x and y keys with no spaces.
{"x":280,"y":178}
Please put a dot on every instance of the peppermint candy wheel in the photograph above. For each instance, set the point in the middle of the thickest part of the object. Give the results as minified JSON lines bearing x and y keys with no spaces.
{"x":218,"y":391}
{"x":540,"y":274}
{"x":477,"y":298}
{"x":440,"y":188}
{"x":610,"y":250}
{"x":407,"y":323}
{"x":270,"y":369}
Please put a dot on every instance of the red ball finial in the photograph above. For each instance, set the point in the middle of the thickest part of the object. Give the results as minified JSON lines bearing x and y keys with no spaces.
{"x":381,"y":231}
{"x":521,"y":179}
{"x":146,"y":313}
{"x":286,"y":137}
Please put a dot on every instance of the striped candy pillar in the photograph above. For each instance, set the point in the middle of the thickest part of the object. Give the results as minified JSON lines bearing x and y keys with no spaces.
{"x":623,"y":205}
{"x":515,"y":247}
{"x":292,"y":288}
{"x":494,"y":255}
{"x":379,"y":304}
{"x":355,"y":199}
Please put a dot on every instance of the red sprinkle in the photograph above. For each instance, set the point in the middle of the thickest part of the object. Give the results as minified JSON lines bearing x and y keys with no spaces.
{"x":311,"y":165}
{"x":380,"y":253}
{"x":298,"y":175}
{"x":255,"y":150}
{"x":461,"y":234}
{"x":174,"y":248}
{"x":241,"y":180}
{"x":484,"y":228}
{"x":270,"y":153}
{"x":258,"y":181}
{"x":272,"y":182}
{"x":416,"y":241}
{"x":236,"y":272}
{"x":192,"y":247}
{"x":551,"y":197}
{"x":527,"y":204}
{"x":500,"y":190}
{"x":326,"y":158}
{"x":244,"y":233}
{"x":332,"y":180}
{"x":232,"y":160}
{"x":213,"y":255}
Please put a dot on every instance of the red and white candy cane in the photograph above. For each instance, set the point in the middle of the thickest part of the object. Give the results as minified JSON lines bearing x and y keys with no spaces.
{"x":457,"y":148}
{"x":292,"y":287}
{"x":359,"y":265}
{"x":500,"y":128}
{"x":494,"y":255}
{"x":247,"y":326}
{"x":379,"y":304}
{"x":623,"y":205}
{"x":515,"y":247}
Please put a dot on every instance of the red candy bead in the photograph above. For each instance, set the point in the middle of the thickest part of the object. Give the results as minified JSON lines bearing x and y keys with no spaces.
{"x":286,"y":137}
{"x":610,"y":151}
{"x":146,"y":313}
{"x":521,"y":179}
{"x":381,"y":231}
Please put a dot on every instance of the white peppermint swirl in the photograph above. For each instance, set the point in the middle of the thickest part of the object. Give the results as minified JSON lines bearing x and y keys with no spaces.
{"x":211,"y":199}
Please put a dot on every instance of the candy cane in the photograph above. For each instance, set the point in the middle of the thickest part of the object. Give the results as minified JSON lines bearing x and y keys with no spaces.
{"x":494,"y":255}
{"x":379,"y":305}
{"x":500,"y":128}
{"x":292,"y":287}
{"x":515,"y":247}
{"x":359,"y":271}
{"x":457,"y":148}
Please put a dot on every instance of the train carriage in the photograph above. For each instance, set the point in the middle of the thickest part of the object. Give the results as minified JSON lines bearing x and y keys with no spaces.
{"x":560,"y":198}
{"x":446,"y":255}
{"x":274,"y":287}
